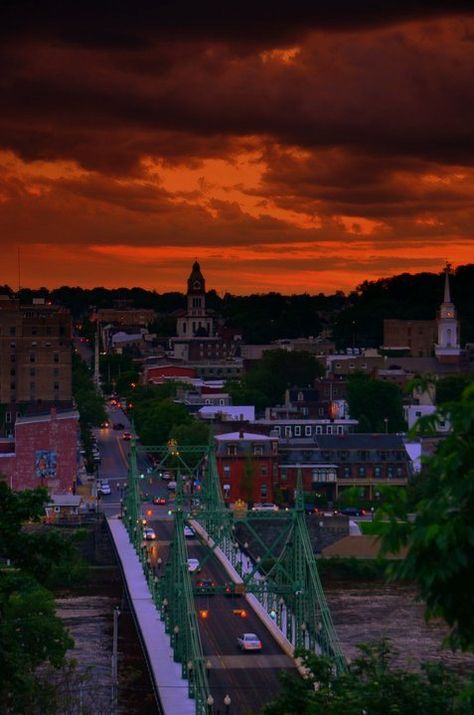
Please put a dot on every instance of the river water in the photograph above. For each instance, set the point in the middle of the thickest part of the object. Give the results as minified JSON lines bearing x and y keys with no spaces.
{"x":366,"y":611}
{"x":361,"y":610}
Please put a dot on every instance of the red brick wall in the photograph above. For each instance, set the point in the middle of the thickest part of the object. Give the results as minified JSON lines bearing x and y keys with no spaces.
{"x":58,"y":434}
{"x":236,"y":477}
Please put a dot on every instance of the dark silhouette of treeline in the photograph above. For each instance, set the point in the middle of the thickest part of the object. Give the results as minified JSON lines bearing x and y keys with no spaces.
{"x":355,"y":319}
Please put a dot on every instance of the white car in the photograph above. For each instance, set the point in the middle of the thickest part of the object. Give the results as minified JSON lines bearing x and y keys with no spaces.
{"x":149,"y":534}
{"x":104,"y":488}
{"x":193,"y":565}
{"x":266,"y":506}
{"x":171,"y":486}
{"x":189,"y":532}
{"x":249,"y":641}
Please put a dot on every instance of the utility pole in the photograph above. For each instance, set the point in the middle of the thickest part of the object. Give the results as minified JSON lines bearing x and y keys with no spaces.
{"x":114,"y":662}
{"x":96,"y":359}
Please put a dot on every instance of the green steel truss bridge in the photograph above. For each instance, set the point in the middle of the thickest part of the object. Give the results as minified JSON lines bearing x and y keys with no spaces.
{"x":283,"y":578}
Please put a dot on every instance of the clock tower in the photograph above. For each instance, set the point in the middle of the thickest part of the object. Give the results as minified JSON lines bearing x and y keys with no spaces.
{"x":447,"y":349}
{"x":196,"y":323}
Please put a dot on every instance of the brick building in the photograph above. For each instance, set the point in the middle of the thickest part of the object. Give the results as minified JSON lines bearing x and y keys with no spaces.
{"x":35,"y":356}
{"x":331,"y":463}
{"x":43,"y":452}
{"x":414,"y":338}
{"x":247,"y":464}
{"x":125,"y":316}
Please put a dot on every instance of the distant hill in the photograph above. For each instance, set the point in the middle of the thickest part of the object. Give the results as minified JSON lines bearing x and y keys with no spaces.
{"x":356,"y":318}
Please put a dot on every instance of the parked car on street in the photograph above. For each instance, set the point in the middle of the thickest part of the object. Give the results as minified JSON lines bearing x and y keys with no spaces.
{"x":249,"y":641}
{"x":171,"y":486}
{"x":265,"y":506}
{"x":103,"y":488}
{"x":352,"y":511}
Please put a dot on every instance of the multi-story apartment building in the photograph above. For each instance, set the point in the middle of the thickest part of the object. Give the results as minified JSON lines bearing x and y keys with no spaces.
{"x":331,"y":463}
{"x":248,"y":465}
{"x":35,"y":355}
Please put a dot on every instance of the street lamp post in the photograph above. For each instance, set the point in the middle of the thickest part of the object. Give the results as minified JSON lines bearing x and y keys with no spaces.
{"x":208,"y":669}
{"x":176,"y":636}
{"x":210,"y":703}
{"x":227,"y":702}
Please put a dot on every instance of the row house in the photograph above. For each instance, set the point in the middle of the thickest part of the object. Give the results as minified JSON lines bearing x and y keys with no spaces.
{"x":331,"y":463}
{"x":292,"y":428}
{"x":247,"y":464}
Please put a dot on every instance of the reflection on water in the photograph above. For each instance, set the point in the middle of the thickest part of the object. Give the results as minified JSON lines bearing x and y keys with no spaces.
{"x":366,"y":611}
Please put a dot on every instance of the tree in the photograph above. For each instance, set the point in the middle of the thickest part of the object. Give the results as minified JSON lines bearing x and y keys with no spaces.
{"x":375,"y":403}
{"x":154,"y":422}
{"x":265,"y":384}
{"x":31,"y":635}
{"x":450,"y":388}
{"x":370,"y":685}
{"x":440,"y":541}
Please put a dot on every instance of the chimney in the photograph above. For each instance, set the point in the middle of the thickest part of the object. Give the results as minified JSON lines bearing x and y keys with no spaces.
{"x":241,"y":433}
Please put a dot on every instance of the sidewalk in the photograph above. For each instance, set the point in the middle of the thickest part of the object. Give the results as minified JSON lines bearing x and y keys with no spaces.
{"x":172,"y":688}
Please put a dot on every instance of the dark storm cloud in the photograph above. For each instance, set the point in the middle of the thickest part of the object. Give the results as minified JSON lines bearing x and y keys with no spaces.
{"x":130,"y":24}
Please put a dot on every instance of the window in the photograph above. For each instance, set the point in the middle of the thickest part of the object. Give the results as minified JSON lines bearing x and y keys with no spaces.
{"x":12,"y":358}
{"x":12,"y":385}
{"x":226,"y":470}
{"x":320,"y":411}
{"x":361,"y":471}
{"x":34,"y":331}
{"x":263,"y":491}
{"x":284,"y":475}
{"x":55,"y":357}
{"x":399,"y":472}
{"x":340,"y":429}
{"x":257,"y":450}
{"x":307,"y":430}
{"x":32,"y":386}
{"x":377,"y":471}
{"x":56,"y":386}
{"x":329,"y":429}
{"x":32,"y":357}
{"x":231,"y":450}
{"x":288,"y":431}
{"x":277,"y":430}
{"x":319,"y":429}
{"x":12,"y":372}
{"x":346,"y":472}
{"x":338,"y":364}
{"x":55,"y":371}
{"x":300,"y":397}
{"x":389,"y":471}
{"x":13,"y":345}
{"x":12,"y":330}
{"x":264,"y":470}
{"x":275,"y":447}
{"x":297,"y":430}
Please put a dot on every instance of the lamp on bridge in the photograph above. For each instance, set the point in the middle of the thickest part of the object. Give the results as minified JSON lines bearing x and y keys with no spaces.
{"x":190,"y":677}
{"x":227,"y":702}
{"x":210,"y":703}
{"x":208,"y":669}
{"x":175,"y":644}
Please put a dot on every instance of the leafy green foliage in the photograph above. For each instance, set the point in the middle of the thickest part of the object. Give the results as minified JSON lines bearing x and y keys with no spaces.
{"x":31,"y":635}
{"x":441,"y":540}
{"x":154,"y":421}
{"x":450,"y":388}
{"x":266,"y":382}
{"x":375,"y":403}
{"x":370,"y":686}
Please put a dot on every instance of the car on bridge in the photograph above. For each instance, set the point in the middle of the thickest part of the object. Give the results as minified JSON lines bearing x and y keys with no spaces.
{"x":159,"y":500}
{"x":189,"y":532}
{"x":103,"y":488}
{"x":149,"y":534}
{"x":206,"y":586}
{"x":193,"y":565}
{"x":127,"y":436}
{"x":249,"y":641}
{"x":265,"y":506}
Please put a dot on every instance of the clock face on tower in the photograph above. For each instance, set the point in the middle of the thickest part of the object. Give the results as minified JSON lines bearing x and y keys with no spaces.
{"x":196,"y":285}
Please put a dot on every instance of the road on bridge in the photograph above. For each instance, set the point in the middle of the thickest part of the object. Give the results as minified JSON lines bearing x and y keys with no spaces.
{"x":250,"y":679}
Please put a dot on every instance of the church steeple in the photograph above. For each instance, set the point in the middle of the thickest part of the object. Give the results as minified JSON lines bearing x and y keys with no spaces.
{"x":196,"y":282}
{"x":448,"y":349}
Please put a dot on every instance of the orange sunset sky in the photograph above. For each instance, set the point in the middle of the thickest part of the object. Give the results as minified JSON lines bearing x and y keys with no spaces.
{"x":287,"y":148}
